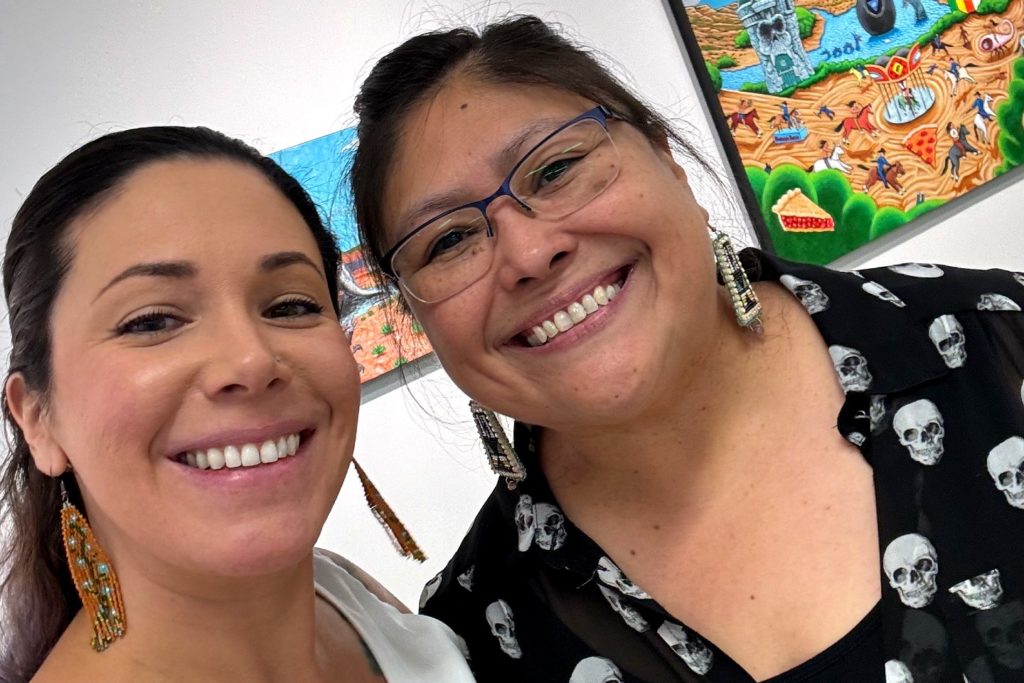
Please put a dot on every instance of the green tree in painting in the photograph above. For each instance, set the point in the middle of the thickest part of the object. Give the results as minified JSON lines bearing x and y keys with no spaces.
{"x":716,"y":76}
{"x":855,"y":221}
{"x":833,"y":190}
{"x":758,"y":178}
{"x":1010,"y":114}
{"x":725,"y":62}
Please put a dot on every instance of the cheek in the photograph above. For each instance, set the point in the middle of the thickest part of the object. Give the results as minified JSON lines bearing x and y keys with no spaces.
{"x":110,"y":403}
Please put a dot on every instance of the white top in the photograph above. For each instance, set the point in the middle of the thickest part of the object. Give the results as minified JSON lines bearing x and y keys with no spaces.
{"x":410,"y":648}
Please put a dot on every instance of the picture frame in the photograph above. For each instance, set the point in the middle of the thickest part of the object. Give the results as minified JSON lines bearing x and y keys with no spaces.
{"x":383,"y":337}
{"x":846,"y":120}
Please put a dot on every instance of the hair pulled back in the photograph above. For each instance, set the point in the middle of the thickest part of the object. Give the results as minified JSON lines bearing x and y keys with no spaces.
{"x":520,"y":50}
{"x":37,"y":594}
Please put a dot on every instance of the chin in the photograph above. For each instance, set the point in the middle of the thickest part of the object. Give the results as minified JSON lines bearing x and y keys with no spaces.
{"x":258,"y":552}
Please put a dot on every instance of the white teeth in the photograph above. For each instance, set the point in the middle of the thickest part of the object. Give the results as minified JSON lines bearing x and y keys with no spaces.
{"x":215,"y":458}
{"x":190,"y":458}
{"x":562,"y":321}
{"x":293,"y":443}
{"x":268,"y":452}
{"x":201,"y":461}
{"x":250,"y":455}
{"x":232,"y":457}
{"x":574,"y":313}
{"x":282,"y":447}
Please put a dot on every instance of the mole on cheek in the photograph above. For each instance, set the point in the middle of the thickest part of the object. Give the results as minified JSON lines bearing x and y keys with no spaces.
{"x":464,"y":105}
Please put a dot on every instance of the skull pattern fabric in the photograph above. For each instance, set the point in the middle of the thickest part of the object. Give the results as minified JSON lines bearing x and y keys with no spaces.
{"x":921,"y":429}
{"x":931,"y":364}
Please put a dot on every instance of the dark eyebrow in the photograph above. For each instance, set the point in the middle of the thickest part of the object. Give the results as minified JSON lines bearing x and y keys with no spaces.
{"x":177,"y":270}
{"x":501,"y":162}
{"x":180,"y":270}
{"x":287,"y":258}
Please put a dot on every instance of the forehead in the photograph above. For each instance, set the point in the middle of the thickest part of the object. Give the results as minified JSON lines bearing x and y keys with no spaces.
{"x":188,"y":209}
{"x":452,"y":141}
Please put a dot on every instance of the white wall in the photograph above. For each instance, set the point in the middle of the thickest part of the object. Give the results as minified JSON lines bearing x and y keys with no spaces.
{"x":279,"y":73}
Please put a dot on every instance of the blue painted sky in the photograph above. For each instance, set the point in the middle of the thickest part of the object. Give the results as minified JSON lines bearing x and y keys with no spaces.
{"x":321,"y":165}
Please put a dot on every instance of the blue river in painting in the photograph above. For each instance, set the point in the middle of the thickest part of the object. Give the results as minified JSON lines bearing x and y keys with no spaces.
{"x":320,"y":166}
{"x":844,"y":38}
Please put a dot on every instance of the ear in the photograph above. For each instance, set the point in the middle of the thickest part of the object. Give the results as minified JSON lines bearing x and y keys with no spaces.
{"x":29,"y":412}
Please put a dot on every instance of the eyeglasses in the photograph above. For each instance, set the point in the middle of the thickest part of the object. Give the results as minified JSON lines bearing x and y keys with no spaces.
{"x":559,"y":175}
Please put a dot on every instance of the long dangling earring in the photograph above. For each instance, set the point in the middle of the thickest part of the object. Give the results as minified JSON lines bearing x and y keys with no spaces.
{"x":734,"y":277}
{"x":397,"y":532}
{"x":501,"y":456}
{"x":93,"y":576}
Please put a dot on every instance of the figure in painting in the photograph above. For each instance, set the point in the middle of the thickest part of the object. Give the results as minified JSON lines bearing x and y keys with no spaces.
{"x":960,"y":148}
{"x":745,"y":115}
{"x":983,"y":105}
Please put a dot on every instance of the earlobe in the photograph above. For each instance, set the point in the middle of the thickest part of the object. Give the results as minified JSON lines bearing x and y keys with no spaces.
{"x":29,"y":412}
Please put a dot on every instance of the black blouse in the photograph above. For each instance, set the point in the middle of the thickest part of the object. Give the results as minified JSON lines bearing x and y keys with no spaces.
{"x":931,"y":360}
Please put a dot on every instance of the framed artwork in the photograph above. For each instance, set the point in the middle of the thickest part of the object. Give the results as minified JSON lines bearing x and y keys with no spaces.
{"x":382,"y":337}
{"x":844,"y":120}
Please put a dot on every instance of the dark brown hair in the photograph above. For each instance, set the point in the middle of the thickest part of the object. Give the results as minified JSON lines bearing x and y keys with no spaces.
{"x":37,"y":594}
{"x":521,"y":50}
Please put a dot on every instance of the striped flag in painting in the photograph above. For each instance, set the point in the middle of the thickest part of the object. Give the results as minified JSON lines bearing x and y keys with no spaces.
{"x":965,"y":6}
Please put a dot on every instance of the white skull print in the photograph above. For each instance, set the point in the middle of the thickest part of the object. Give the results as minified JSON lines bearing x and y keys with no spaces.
{"x":983,"y":591}
{"x":596,"y":670}
{"x":550,"y":523}
{"x":897,"y":672}
{"x":503,"y":627}
{"x":465,"y":579}
{"x":948,"y":336}
{"x":997,"y":302}
{"x":852,"y":368}
{"x":526,"y":525}
{"x":923,"y":270}
{"x":611,"y":575}
{"x":1006,"y":467}
{"x":912,"y":565}
{"x":691,"y":649}
{"x":875,"y":289}
{"x":921,"y":430}
{"x":632,"y":618}
{"x":809,"y":293}
{"x":429,"y":589}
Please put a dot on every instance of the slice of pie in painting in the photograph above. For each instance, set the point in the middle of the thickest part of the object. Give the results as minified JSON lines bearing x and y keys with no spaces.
{"x":922,"y":142}
{"x":797,"y":213}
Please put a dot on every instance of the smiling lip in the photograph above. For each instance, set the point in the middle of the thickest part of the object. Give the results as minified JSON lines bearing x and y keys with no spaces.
{"x":616,"y":277}
{"x":230,"y":437}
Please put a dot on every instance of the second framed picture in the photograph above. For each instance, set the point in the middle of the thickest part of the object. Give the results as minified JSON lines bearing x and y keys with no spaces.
{"x":844,"y":120}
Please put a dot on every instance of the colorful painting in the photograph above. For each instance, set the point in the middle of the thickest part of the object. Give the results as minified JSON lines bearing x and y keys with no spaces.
{"x":846,"y":119}
{"x":382,"y":337}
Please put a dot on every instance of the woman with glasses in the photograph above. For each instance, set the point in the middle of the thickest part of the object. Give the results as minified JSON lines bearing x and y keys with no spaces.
{"x":819,"y":476}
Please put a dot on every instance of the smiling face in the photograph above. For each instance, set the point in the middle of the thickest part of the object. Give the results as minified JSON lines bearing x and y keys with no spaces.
{"x":195,"y":328}
{"x":643,"y":237}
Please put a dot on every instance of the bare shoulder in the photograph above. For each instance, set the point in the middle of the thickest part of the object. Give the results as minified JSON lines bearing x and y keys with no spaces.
{"x":371,"y":583}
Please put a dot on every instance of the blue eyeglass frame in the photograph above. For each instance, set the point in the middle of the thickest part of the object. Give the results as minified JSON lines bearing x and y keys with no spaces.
{"x":600,"y":113}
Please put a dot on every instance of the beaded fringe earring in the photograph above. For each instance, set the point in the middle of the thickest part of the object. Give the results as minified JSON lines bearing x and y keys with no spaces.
{"x":734,"y":277}
{"x":93,"y":576}
{"x":397,"y":532}
{"x":502,"y":458}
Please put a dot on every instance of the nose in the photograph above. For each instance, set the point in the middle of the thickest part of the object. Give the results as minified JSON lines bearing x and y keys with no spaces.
{"x":242,"y":360}
{"x":527,"y":248}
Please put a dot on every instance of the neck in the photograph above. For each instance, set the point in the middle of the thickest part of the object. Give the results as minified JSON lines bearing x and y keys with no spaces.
{"x":712,"y":419}
{"x":252,"y":629}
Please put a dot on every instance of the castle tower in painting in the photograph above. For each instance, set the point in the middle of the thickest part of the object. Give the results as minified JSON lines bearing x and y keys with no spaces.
{"x":775,"y":37}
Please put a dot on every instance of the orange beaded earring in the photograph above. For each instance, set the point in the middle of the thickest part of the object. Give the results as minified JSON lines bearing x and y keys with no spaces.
{"x":93,"y":575}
